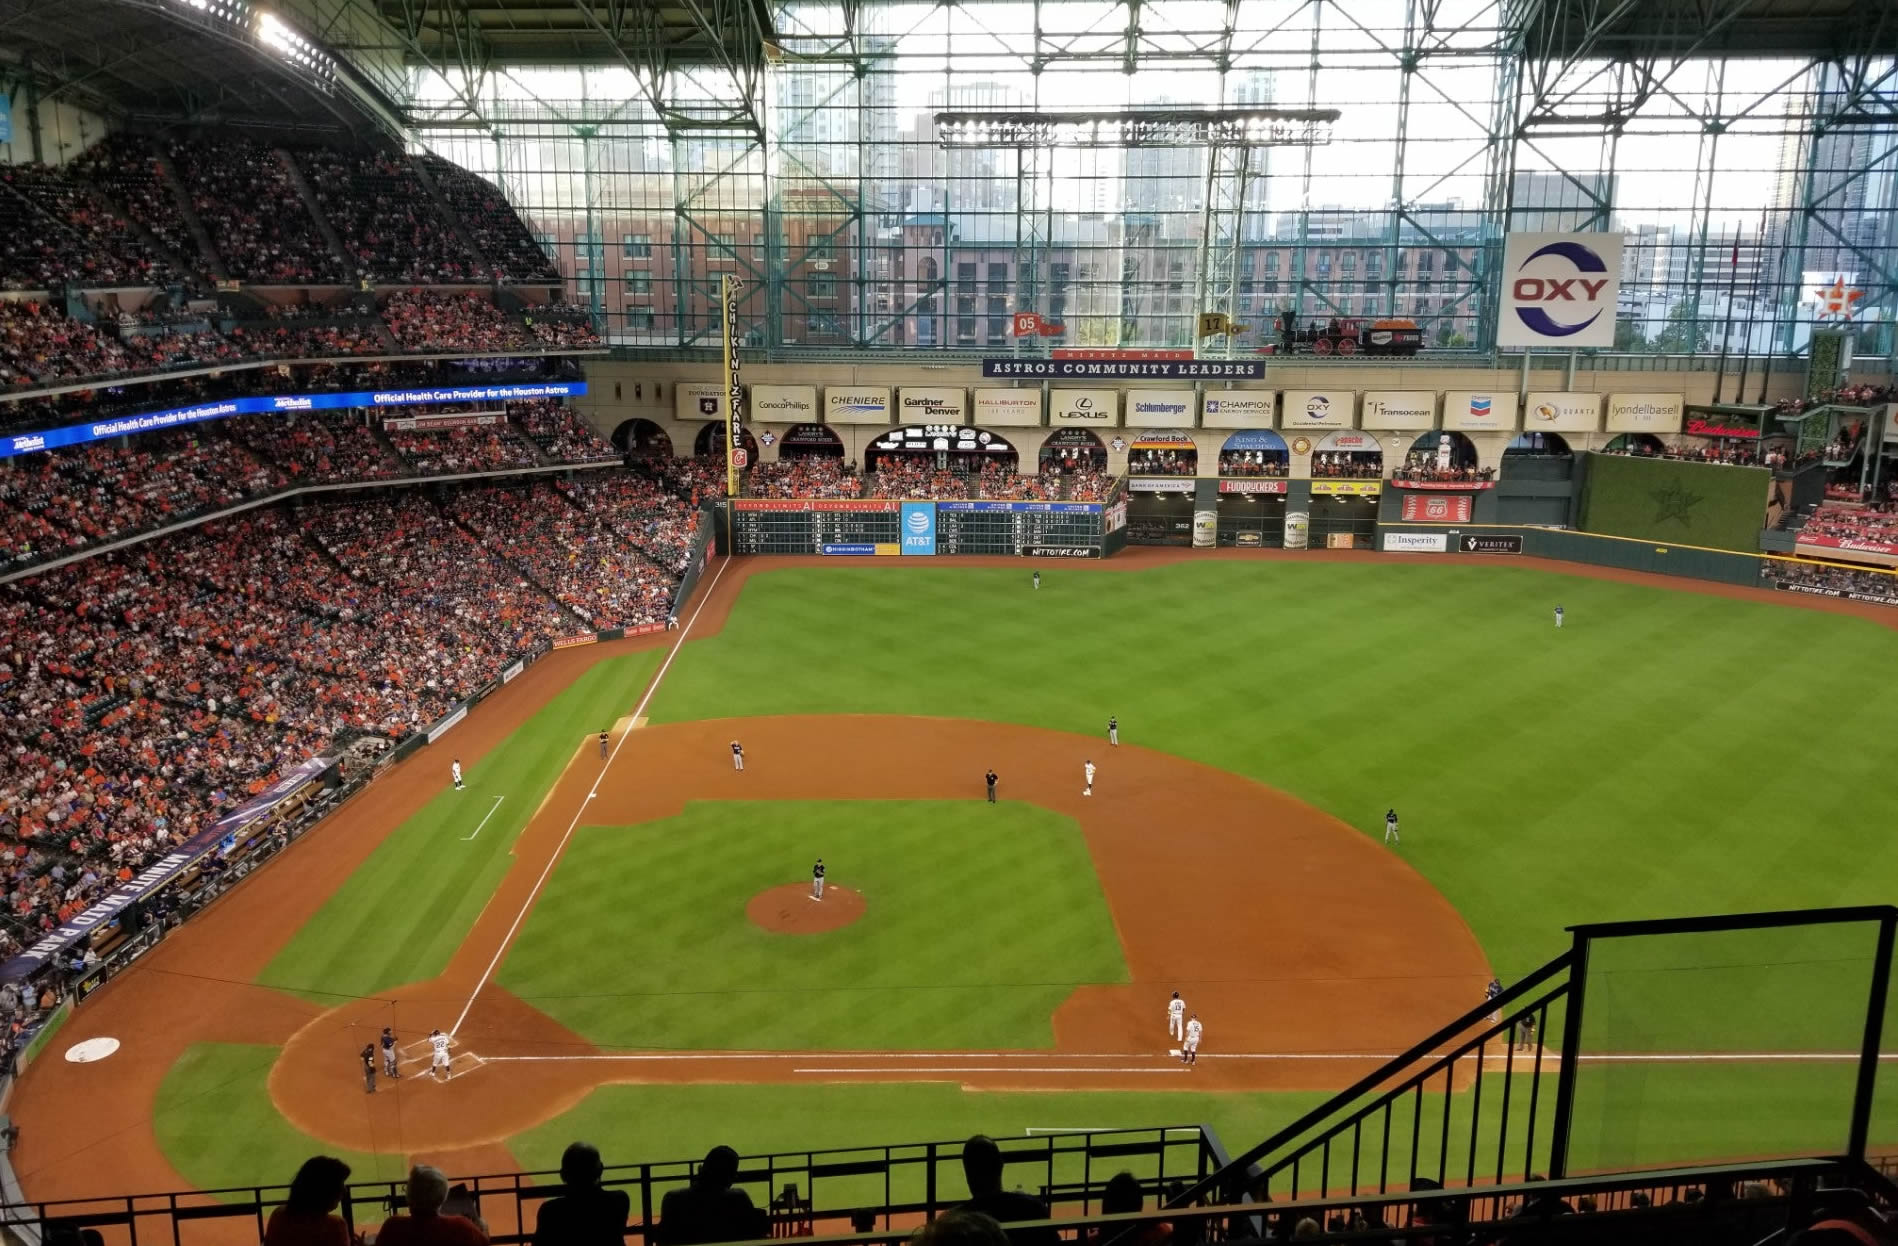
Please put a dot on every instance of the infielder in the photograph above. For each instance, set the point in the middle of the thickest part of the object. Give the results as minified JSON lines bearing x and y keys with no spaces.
{"x":1558,"y":616}
{"x":455,"y":767}
{"x":1490,"y":993}
{"x":989,"y":778}
{"x":738,"y":756}
{"x":1390,"y":827}
{"x":389,"y":1069}
{"x":817,"y":880}
{"x":1176,"y":1017}
{"x":1087,"y":768}
{"x":1189,"y":1049}
{"x":369,"y":1068}
{"x":438,"y":1062}
{"x":602,"y":746}
{"x":1113,"y":730}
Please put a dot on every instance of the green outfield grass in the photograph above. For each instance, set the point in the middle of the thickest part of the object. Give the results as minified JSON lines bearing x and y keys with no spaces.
{"x":665,"y":904}
{"x":402,"y":915}
{"x":1659,"y":756}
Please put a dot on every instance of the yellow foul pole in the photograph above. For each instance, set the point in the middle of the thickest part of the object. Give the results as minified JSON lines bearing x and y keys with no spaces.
{"x":728,"y":288}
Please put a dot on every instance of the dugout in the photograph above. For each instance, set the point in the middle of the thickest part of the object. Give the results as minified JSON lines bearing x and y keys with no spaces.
{"x":1254,"y":466}
{"x":711,"y":441}
{"x":642,"y":438}
{"x":942,"y":447}
{"x":1069,"y":450}
{"x":810,"y":441}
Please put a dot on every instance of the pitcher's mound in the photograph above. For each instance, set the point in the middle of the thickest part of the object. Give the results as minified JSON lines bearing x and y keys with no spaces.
{"x":790,"y":910}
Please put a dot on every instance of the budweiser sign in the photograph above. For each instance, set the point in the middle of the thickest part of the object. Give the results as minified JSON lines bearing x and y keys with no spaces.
{"x":1698,"y":427}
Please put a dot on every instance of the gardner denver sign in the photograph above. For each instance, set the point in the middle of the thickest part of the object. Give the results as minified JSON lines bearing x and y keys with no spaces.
{"x":1559,"y":290}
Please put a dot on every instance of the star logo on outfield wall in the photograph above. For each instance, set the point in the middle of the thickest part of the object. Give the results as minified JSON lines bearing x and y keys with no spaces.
{"x":1676,"y":503}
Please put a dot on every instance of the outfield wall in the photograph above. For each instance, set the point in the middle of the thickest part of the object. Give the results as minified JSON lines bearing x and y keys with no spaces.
{"x":1504,"y":541}
{"x":1672,"y":500}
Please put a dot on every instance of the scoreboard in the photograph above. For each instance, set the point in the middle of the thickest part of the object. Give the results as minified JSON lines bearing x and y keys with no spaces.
{"x":845,"y":527}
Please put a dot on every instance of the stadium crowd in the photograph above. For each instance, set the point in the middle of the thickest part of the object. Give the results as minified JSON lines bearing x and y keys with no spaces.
{"x":147,"y":690}
{"x":1271,"y":463}
{"x":86,"y":223}
{"x":1853,"y":523}
{"x":1348,"y":465}
{"x":485,"y":448}
{"x":811,"y":476}
{"x":1864,"y":584}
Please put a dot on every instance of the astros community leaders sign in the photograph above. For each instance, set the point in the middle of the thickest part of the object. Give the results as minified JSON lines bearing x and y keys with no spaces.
{"x":1127,"y":369}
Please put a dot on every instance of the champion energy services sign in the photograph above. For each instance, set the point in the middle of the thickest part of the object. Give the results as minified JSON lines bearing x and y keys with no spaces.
{"x":1559,"y":290}
{"x":1161,"y":408}
{"x":1240,"y":408}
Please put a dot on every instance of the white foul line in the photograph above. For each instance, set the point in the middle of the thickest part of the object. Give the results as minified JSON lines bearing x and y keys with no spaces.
{"x":484,"y":821}
{"x":1023,"y":1061}
{"x":638,"y":712}
{"x":990,"y":1068}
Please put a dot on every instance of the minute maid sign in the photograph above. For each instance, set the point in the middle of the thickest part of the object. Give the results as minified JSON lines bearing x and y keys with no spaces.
{"x":919,"y":527}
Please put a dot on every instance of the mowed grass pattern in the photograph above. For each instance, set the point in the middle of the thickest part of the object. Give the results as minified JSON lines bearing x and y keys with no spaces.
{"x":980,"y":920}
{"x":404,"y":912}
{"x":1627,"y":766}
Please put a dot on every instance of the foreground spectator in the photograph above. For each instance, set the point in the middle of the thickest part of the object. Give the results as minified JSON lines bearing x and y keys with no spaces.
{"x":960,"y":1227}
{"x":982,"y":1169}
{"x":425,"y":1225}
{"x":583,"y":1214}
{"x":710,"y":1209}
{"x":308,"y":1217}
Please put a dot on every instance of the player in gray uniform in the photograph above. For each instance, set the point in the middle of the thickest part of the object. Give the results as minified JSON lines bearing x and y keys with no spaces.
{"x":817,"y":880}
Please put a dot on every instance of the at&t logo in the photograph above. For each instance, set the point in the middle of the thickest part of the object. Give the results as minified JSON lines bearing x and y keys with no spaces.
{"x":1560,"y":298}
{"x":918,"y":523}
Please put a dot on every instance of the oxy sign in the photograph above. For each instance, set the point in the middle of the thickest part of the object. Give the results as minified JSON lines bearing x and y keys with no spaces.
{"x":1559,"y":290}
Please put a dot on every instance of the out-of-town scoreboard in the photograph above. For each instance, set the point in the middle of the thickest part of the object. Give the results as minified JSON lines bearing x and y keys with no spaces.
{"x":872,"y":526}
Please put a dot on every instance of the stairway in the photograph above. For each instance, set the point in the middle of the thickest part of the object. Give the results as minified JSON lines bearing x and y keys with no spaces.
{"x":315,"y":208}
{"x":207,"y":249}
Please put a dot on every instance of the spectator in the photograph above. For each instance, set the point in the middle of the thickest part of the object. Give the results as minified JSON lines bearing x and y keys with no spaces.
{"x":583,"y":1214}
{"x":982,"y":1168}
{"x":424,"y":1224}
{"x":307,"y":1217}
{"x":1121,"y":1197}
{"x":709,"y":1209}
{"x":960,"y":1227}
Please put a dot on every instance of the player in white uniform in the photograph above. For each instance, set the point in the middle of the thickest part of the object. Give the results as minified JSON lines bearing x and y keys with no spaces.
{"x":1558,"y":616}
{"x":1176,"y":1017}
{"x":817,"y":880}
{"x":1390,"y":828}
{"x":1189,"y":1049}
{"x":738,"y":756}
{"x":457,"y":771}
{"x":438,"y":1062}
{"x":1087,"y":768}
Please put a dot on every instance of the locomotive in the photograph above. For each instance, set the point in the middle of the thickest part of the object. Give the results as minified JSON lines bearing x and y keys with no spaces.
{"x":1347,"y":336}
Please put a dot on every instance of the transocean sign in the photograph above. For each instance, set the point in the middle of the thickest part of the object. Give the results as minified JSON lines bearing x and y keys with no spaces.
{"x":1128,"y":369}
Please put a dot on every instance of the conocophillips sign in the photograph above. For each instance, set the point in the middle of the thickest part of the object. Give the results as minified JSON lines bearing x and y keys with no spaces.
{"x":1559,"y":290}
{"x":931,"y":404}
{"x":1098,"y":407}
{"x":784,"y":404}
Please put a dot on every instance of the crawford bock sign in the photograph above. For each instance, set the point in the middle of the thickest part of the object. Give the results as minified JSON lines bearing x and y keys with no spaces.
{"x":1559,"y":290}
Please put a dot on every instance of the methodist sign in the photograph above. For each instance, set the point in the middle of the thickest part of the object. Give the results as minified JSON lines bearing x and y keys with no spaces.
{"x":1559,"y":290}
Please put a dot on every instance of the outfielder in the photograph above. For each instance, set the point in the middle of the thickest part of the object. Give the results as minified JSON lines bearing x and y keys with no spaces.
{"x":817,"y":880}
{"x":456,"y":769}
{"x":1087,"y":768}
{"x":1037,"y":579}
{"x":389,"y":1069}
{"x":738,"y":756}
{"x":438,"y":1062}
{"x":1558,"y":616}
{"x":1390,"y":827}
{"x":1189,"y":1049}
{"x":1113,"y":730}
{"x":1176,"y":1017}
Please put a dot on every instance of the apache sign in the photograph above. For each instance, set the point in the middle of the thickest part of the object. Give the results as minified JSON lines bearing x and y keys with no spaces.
{"x":1559,"y":290}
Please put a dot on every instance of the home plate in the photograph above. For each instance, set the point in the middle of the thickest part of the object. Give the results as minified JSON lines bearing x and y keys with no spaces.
{"x":91,"y":1049}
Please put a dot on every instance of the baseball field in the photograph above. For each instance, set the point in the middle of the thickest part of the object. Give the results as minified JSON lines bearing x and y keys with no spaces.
{"x":623,"y":947}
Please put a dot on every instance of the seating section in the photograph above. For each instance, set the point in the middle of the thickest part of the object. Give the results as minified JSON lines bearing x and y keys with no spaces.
{"x":147,"y":690}
{"x":485,"y":449}
{"x":55,"y":230}
{"x":258,"y":221}
{"x":491,"y":221}
{"x":1853,"y":523}
{"x":386,"y":217}
{"x":439,"y":320}
{"x":561,"y":435}
{"x":125,"y":167}
{"x":38,"y":346}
